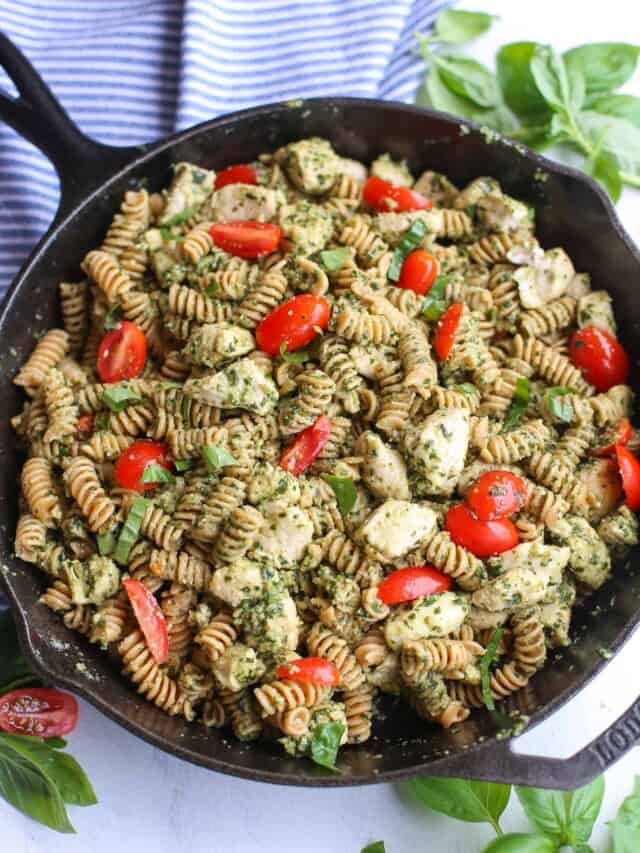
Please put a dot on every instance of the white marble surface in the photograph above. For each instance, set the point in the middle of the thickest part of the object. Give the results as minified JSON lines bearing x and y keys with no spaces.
{"x":152,"y":802}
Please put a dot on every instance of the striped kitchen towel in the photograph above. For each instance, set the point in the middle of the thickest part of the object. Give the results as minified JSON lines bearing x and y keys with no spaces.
{"x":130,"y":71}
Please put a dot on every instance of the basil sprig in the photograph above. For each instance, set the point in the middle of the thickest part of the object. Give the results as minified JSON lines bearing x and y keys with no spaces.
{"x":325,"y":743}
{"x":410,"y":241}
{"x":519,"y":404}
{"x":490,"y":654}
{"x":119,"y":395}
{"x":345,"y":492}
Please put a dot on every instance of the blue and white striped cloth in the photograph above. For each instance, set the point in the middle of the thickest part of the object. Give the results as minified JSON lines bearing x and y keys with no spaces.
{"x":131,"y":71}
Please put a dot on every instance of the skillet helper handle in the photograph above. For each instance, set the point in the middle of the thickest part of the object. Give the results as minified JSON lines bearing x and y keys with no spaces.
{"x":82,"y":163}
{"x":498,"y":762}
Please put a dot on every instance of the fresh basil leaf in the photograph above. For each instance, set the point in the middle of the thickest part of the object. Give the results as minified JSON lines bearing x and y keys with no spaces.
{"x":434,"y":303}
{"x":112,"y":317}
{"x":518,"y":405}
{"x":566,"y":817}
{"x":119,"y":395}
{"x":130,"y":530}
{"x":605,"y":66}
{"x":518,"y":86}
{"x":155,"y":473}
{"x":183,"y":464}
{"x":614,"y":136}
{"x":332,"y":259}
{"x":620,"y":106}
{"x":490,"y":654}
{"x":468,"y":78}
{"x":466,"y":388}
{"x":325,"y":743}
{"x":28,"y":787}
{"x":562,"y":88}
{"x":106,"y":543}
{"x":557,"y":406}
{"x":521,"y":842}
{"x":181,"y":217}
{"x":474,"y":802}
{"x":604,"y":168}
{"x":374,"y":847}
{"x":56,"y":742}
{"x":345,"y":492}
{"x":625,"y":827}
{"x":456,"y":26}
{"x":296,"y":357}
{"x":411,"y":239}
{"x":14,"y":668}
{"x":217,"y":457}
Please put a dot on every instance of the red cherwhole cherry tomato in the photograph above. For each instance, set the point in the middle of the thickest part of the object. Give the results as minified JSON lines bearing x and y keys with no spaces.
{"x":629,"y":467}
{"x":241,"y":173}
{"x":496,"y":494}
{"x":419,"y":271}
{"x":315,"y":670}
{"x":617,"y":435}
{"x":122,"y":353}
{"x":293,"y":324}
{"x":482,"y":538}
{"x":305,"y":446}
{"x":150,"y":619}
{"x":38,"y":711}
{"x":383,"y":195}
{"x":85,"y":424}
{"x":411,"y":583}
{"x":600,"y":357}
{"x":246,"y":239}
{"x":446,"y":330}
{"x":132,"y":462}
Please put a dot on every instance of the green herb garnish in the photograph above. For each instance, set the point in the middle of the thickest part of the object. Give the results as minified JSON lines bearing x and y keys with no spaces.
{"x":434,"y":304}
{"x":325,"y":743}
{"x":217,"y":457}
{"x":466,"y":388}
{"x":130,"y":530}
{"x":181,"y":217}
{"x":119,"y":395}
{"x":518,"y":405}
{"x":556,"y":404}
{"x":296,"y":357}
{"x":183,"y":464}
{"x":345,"y":492}
{"x":332,"y":259}
{"x":112,"y":317}
{"x":485,"y":662}
{"x":410,"y":241}
{"x":106,"y":542}
{"x":155,"y":473}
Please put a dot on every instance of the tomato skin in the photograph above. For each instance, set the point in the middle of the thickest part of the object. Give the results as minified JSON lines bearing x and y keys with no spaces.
{"x":150,"y":618}
{"x":131,"y":463}
{"x":601,"y":358}
{"x":314,"y":670}
{"x":629,"y":467}
{"x":241,"y":173}
{"x":384,"y":195}
{"x":482,"y":538}
{"x":496,"y":494}
{"x":293,"y":323}
{"x":419,"y":271}
{"x":38,"y":711}
{"x":246,"y":238}
{"x":621,"y":433}
{"x":85,"y":424}
{"x":412,"y":582}
{"x":304,"y":448}
{"x":446,"y":330}
{"x":122,"y":353}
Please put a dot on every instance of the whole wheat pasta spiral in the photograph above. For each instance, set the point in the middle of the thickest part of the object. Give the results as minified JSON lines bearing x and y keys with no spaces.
{"x":323,"y":643}
{"x":450,"y":398}
{"x":338,"y":550}
{"x":40,"y":492}
{"x":315,"y":392}
{"x":518,"y":444}
{"x":239,"y":532}
{"x":358,"y":706}
{"x":85,"y":487}
{"x":30,"y":538}
{"x":197,"y":242}
{"x":105,"y":446}
{"x":574,"y":444}
{"x":227,"y":496}
{"x":371,"y":650}
{"x":108,"y":275}
{"x":74,"y":304}
{"x":263,"y":298}
{"x":49,"y":351}
{"x":294,"y":722}
{"x":544,"y":505}
{"x":111,"y":619}
{"x":491,"y":249}
{"x":241,"y":709}
{"x":159,"y":527}
{"x":149,"y":679}
{"x":356,"y":324}
{"x":456,"y":225}
{"x":506,"y":296}
{"x":395,"y":403}
{"x":551,"y":366}
{"x":280,"y":696}
{"x":551,"y":317}
{"x":454,"y":560}
{"x":368,"y":245}
{"x":476,"y":298}
{"x":338,"y":365}
{"x":549,"y":471}
{"x":61,"y":408}
{"x":214,"y":715}
{"x":420,"y":371}
{"x":422,"y":656}
{"x":217,"y":637}
{"x":188,"y":443}
{"x":57,"y":597}
{"x":529,"y":646}
{"x":180,"y":566}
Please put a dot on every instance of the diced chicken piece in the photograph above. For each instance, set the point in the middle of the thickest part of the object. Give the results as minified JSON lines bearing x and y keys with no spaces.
{"x":237,"y":202}
{"x":383,"y":469}
{"x":395,"y":171}
{"x":556,"y":615}
{"x":432,"y":616}
{"x":595,"y":309}
{"x":436,"y":451}
{"x":546,"y":280}
{"x":190,"y":188}
{"x":238,"y":667}
{"x":283,"y":539}
{"x":374,"y":362}
{"x":580,"y":285}
{"x":395,"y":527}
{"x":233,"y":583}
{"x":311,"y":164}
{"x":216,"y":343}
{"x":621,"y":528}
{"x":589,"y":561}
{"x":503,"y":214}
{"x":393,"y":226}
{"x":478,"y":188}
{"x":308,"y":226}
{"x":241,"y":385}
{"x":272,"y":488}
{"x":601,"y":481}
{"x":480,"y":619}
{"x":93,"y":581}
{"x":352,"y":168}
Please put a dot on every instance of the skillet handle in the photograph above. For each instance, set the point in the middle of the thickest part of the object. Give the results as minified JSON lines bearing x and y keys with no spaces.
{"x":82,"y":163}
{"x":498,"y":762}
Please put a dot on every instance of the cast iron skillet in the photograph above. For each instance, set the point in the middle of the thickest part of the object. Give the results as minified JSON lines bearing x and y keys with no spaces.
{"x":571,"y":211}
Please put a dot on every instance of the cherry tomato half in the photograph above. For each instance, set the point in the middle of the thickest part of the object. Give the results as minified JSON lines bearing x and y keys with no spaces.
{"x":419,"y":271}
{"x":411,"y":583}
{"x":85,"y":425}
{"x":446,"y":330}
{"x":150,"y":618}
{"x":246,"y":239}
{"x":482,"y":538}
{"x":618,"y":434}
{"x":38,"y":711}
{"x":315,"y":670}
{"x":629,"y":467}
{"x":496,"y":494}
{"x":242,"y":173}
{"x":294,"y":323}
{"x":306,"y":446}
{"x":122,"y":352}
{"x":384,"y":195}
{"x":132,"y":462}
{"x":600,"y":357}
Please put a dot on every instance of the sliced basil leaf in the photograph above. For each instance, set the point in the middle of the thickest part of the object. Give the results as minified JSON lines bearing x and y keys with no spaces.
{"x":456,"y":26}
{"x":155,"y":473}
{"x":625,"y":827}
{"x":486,"y":660}
{"x":181,"y":217}
{"x":474,"y":802}
{"x":112,"y":317}
{"x":518,"y":405}
{"x":605,"y":66}
{"x":325,"y":743}
{"x":130,"y":530}
{"x":518,"y":86}
{"x":296,"y":357}
{"x":183,"y":464}
{"x":410,"y":241}
{"x":332,"y":259}
{"x":119,"y":395}
{"x":557,"y":405}
{"x":106,"y":542}
{"x":434,"y":303}
{"x":217,"y":457}
{"x":345,"y":492}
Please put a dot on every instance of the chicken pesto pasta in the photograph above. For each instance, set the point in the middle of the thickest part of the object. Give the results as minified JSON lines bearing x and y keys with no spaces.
{"x":314,"y":432}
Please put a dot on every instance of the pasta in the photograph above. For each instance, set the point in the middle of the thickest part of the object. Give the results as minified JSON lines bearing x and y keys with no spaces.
{"x":290,"y":480}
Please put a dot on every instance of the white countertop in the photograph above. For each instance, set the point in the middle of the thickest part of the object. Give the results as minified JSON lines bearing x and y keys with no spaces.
{"x":153,"y":802}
